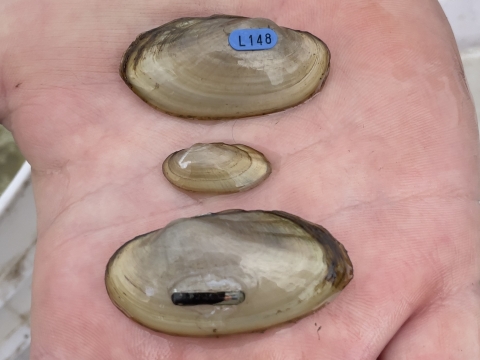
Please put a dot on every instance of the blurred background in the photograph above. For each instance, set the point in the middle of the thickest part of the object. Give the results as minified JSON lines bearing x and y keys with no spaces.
{"x":17,"y":208}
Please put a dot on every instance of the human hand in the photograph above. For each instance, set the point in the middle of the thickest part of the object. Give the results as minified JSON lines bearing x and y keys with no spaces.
{"x":385,"y":157}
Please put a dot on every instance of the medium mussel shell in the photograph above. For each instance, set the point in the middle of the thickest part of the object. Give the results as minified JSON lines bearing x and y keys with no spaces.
{"x":225,"y":273}
{"x":216,"y":168}
{"x":187,"y":68}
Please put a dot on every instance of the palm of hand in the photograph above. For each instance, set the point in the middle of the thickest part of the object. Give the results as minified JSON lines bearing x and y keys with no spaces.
{"x":384,"y":158}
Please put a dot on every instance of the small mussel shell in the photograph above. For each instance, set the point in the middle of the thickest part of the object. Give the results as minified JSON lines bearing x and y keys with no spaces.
{"x":187,"y":68}
{"x":225,"y":273}
{"x":216,"y":168}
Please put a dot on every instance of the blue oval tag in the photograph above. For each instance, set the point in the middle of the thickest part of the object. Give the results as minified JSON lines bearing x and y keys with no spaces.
{"x":252,"y":39}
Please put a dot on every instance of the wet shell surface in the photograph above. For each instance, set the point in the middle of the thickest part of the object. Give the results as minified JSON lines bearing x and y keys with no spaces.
{"x":216,"y":168}
{"x":187,"y":68}
{"x":225,"y":273}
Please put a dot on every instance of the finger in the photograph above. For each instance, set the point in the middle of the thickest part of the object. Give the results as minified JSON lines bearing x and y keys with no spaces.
{"x":448,"y":329}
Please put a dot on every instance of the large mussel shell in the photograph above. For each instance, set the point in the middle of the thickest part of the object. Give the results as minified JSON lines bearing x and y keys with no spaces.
{"x":231,"y":272}
{"x":188,"y":69}
{"x":216,"y":168}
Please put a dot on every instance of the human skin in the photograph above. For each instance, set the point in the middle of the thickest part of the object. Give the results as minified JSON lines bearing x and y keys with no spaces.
{"x":385,"y":157}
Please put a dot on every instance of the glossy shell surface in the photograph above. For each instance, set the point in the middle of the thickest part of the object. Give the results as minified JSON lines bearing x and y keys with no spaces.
{"x":187,"y":68}
{"x":237,"y":271}
{"x":216,"y":168}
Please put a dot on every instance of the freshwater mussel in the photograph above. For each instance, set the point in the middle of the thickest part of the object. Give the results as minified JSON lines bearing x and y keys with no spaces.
{"x":187,"y":68}
{"x":225,"y":273}
{"x":216,"y":168}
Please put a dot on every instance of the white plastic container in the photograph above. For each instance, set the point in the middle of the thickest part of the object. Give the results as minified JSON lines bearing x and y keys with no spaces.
{"x":17,"y":247}
{"x":464,"y":17}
